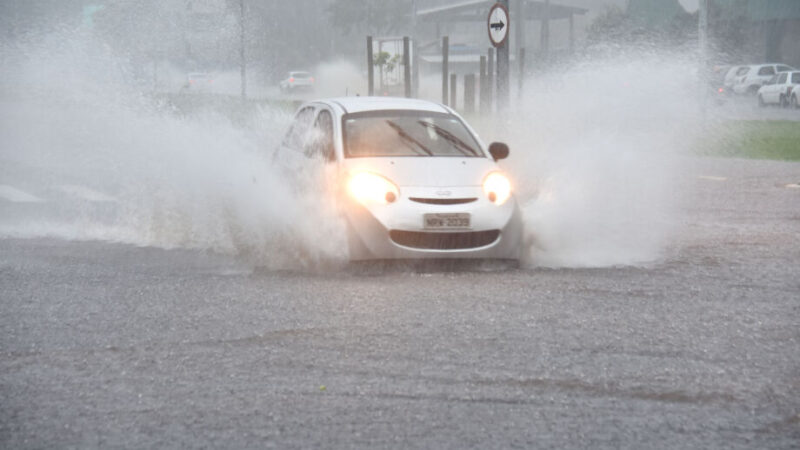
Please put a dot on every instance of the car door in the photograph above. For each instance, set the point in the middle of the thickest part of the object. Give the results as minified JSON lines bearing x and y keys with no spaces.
{"x":780,"y":86}
{"x":321,"y":151}
{"x":767,"y":91}
{"x":290,"y":155}
{"x":764,"y":74}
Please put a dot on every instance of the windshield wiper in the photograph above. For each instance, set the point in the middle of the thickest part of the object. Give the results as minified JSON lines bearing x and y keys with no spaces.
{"x":408,"y":138}
{"x":450,"y":137}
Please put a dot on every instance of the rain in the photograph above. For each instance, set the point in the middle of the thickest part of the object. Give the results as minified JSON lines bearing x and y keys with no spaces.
{"x":168,"y":277}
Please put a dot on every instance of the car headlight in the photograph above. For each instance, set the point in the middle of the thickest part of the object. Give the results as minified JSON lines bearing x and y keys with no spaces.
{"x":497,"y":188}
{"x":367,"y":188}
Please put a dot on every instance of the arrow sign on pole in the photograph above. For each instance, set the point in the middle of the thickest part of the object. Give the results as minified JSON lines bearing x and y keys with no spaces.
{"x":498,"y":24}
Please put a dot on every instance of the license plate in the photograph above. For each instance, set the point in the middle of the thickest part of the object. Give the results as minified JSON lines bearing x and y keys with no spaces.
{"x":447,"y":220}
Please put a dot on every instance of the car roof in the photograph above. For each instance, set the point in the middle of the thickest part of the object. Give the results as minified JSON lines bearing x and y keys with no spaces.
{"x":365,"y":104}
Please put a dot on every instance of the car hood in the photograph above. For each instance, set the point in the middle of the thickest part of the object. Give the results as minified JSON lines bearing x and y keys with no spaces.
{"x":425,"y":171}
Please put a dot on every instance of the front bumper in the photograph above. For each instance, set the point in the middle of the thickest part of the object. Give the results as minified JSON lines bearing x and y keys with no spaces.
{"x":397,"y":231}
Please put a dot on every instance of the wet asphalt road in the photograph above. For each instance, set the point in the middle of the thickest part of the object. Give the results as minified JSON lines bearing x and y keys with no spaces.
{"x":108,"y":345}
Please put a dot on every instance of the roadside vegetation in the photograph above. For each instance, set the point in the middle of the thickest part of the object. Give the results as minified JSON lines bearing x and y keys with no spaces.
{"x":755,"y":139}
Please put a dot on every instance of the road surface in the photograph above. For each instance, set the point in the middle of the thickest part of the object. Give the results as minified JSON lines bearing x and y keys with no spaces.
{"x":109,"y":345}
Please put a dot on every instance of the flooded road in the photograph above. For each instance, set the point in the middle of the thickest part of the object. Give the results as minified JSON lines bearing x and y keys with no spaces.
{"x":109,"y":345}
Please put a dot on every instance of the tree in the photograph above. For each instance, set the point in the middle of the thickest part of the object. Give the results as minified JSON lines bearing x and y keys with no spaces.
{"x":385,"y":63}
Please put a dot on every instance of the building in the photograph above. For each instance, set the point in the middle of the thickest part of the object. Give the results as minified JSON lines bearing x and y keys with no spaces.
{"x":756,"y":31}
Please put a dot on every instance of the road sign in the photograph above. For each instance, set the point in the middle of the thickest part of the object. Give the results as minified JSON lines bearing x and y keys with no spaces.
{"x":498,"y":24}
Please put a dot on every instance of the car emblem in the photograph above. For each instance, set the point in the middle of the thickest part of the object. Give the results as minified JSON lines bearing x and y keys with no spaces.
{"x":444,"y":193}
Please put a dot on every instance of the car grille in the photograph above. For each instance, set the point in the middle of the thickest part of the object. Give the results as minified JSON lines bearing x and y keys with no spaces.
{"x":444,"y":241}
{"x":443,"y":201}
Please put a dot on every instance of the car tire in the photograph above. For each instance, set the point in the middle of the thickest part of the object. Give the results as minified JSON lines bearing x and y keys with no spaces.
{"x":753,"y":90}
{"x":783,"y":102}
{"x":761,"y":103}
{"x":794,"y":103}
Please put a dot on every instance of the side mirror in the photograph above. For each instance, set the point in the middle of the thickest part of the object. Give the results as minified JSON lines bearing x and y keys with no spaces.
{"x":498,"y":150}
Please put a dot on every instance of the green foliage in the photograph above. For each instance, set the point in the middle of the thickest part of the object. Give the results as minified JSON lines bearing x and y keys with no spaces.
{"x":754,"y":139}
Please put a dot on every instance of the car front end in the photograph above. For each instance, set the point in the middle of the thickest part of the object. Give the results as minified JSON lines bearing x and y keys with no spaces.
{"x":469,"y":211}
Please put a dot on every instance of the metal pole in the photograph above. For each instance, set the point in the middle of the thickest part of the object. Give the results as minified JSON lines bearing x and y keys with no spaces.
{"x":407,"y":66}
{"x":490,"y":79}
{"x":503,"y":92}
{"x":702,"y":38}
{"x":243,"y":61}
{"x":702,"y":32}
{"x":370,"y":69}
{"x":469,"y":93}
{"x":483,"y":85}
{"x":414,"y":52}
{"x":571,"y":34}
{"x":445,"y":64}
{"x":521,"y":65}
{"x":546,"y":32}
{"x":453,"y":86}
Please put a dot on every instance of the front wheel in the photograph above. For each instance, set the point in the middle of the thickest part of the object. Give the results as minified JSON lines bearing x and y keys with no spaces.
{"x":784,"y":102}
{"x":794,"y":103}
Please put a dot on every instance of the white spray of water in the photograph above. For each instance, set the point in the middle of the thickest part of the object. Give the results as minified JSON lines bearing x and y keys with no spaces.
{"x":594,"y":153}
{"x":71,"y":118}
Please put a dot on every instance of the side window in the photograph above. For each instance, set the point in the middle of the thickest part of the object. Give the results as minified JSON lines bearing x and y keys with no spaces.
{"x":321,"y":142}
{"x":298,"y":133}
{"x":742,"y":71}
{"x":782,"y":78}
{"x":772,"y":80}
{"x":784,"y":68}
{"x":766,"y":70}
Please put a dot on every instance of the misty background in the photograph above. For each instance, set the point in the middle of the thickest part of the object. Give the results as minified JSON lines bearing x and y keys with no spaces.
{"x":165,"y":39}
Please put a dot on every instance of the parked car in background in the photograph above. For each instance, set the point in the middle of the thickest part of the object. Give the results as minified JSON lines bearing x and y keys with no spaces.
{"x":756,"y":75}
{"x":781,"y":90}
{"x":732,"y":74}
{"x":297,"y":80}
{"x":198,"y":81}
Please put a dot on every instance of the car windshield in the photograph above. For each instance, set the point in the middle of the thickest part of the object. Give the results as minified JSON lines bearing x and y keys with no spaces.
{"x":407,"y":133}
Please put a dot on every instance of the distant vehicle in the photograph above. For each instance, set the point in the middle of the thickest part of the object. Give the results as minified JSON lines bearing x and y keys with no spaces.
{"x":732,"y":74}
{"x":297,"y":81}
{"x":198,"y":81}
{"x":718,"y":90}
{"x":749,"y":81}
{"x":781,"y":89}
{"x":412,"y":180}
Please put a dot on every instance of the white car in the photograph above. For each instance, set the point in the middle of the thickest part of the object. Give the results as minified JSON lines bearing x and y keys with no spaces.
{"x":199,"y":81}
{"x":297,"y":81}
{"x":749,"y":81}
{"x":412,"y":179}
{"x":781,"y":90}
{"x":732,"y":74}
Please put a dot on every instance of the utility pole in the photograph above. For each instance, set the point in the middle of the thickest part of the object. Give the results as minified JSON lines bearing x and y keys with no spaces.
{"x":243,"y":62}
{"x":503,"y":66}
{"x":702,"y":41}
{"x":414,"y":51}
{"x":546,"y":32}
{"x":370,"y":68}
{"x":445,"y":67}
